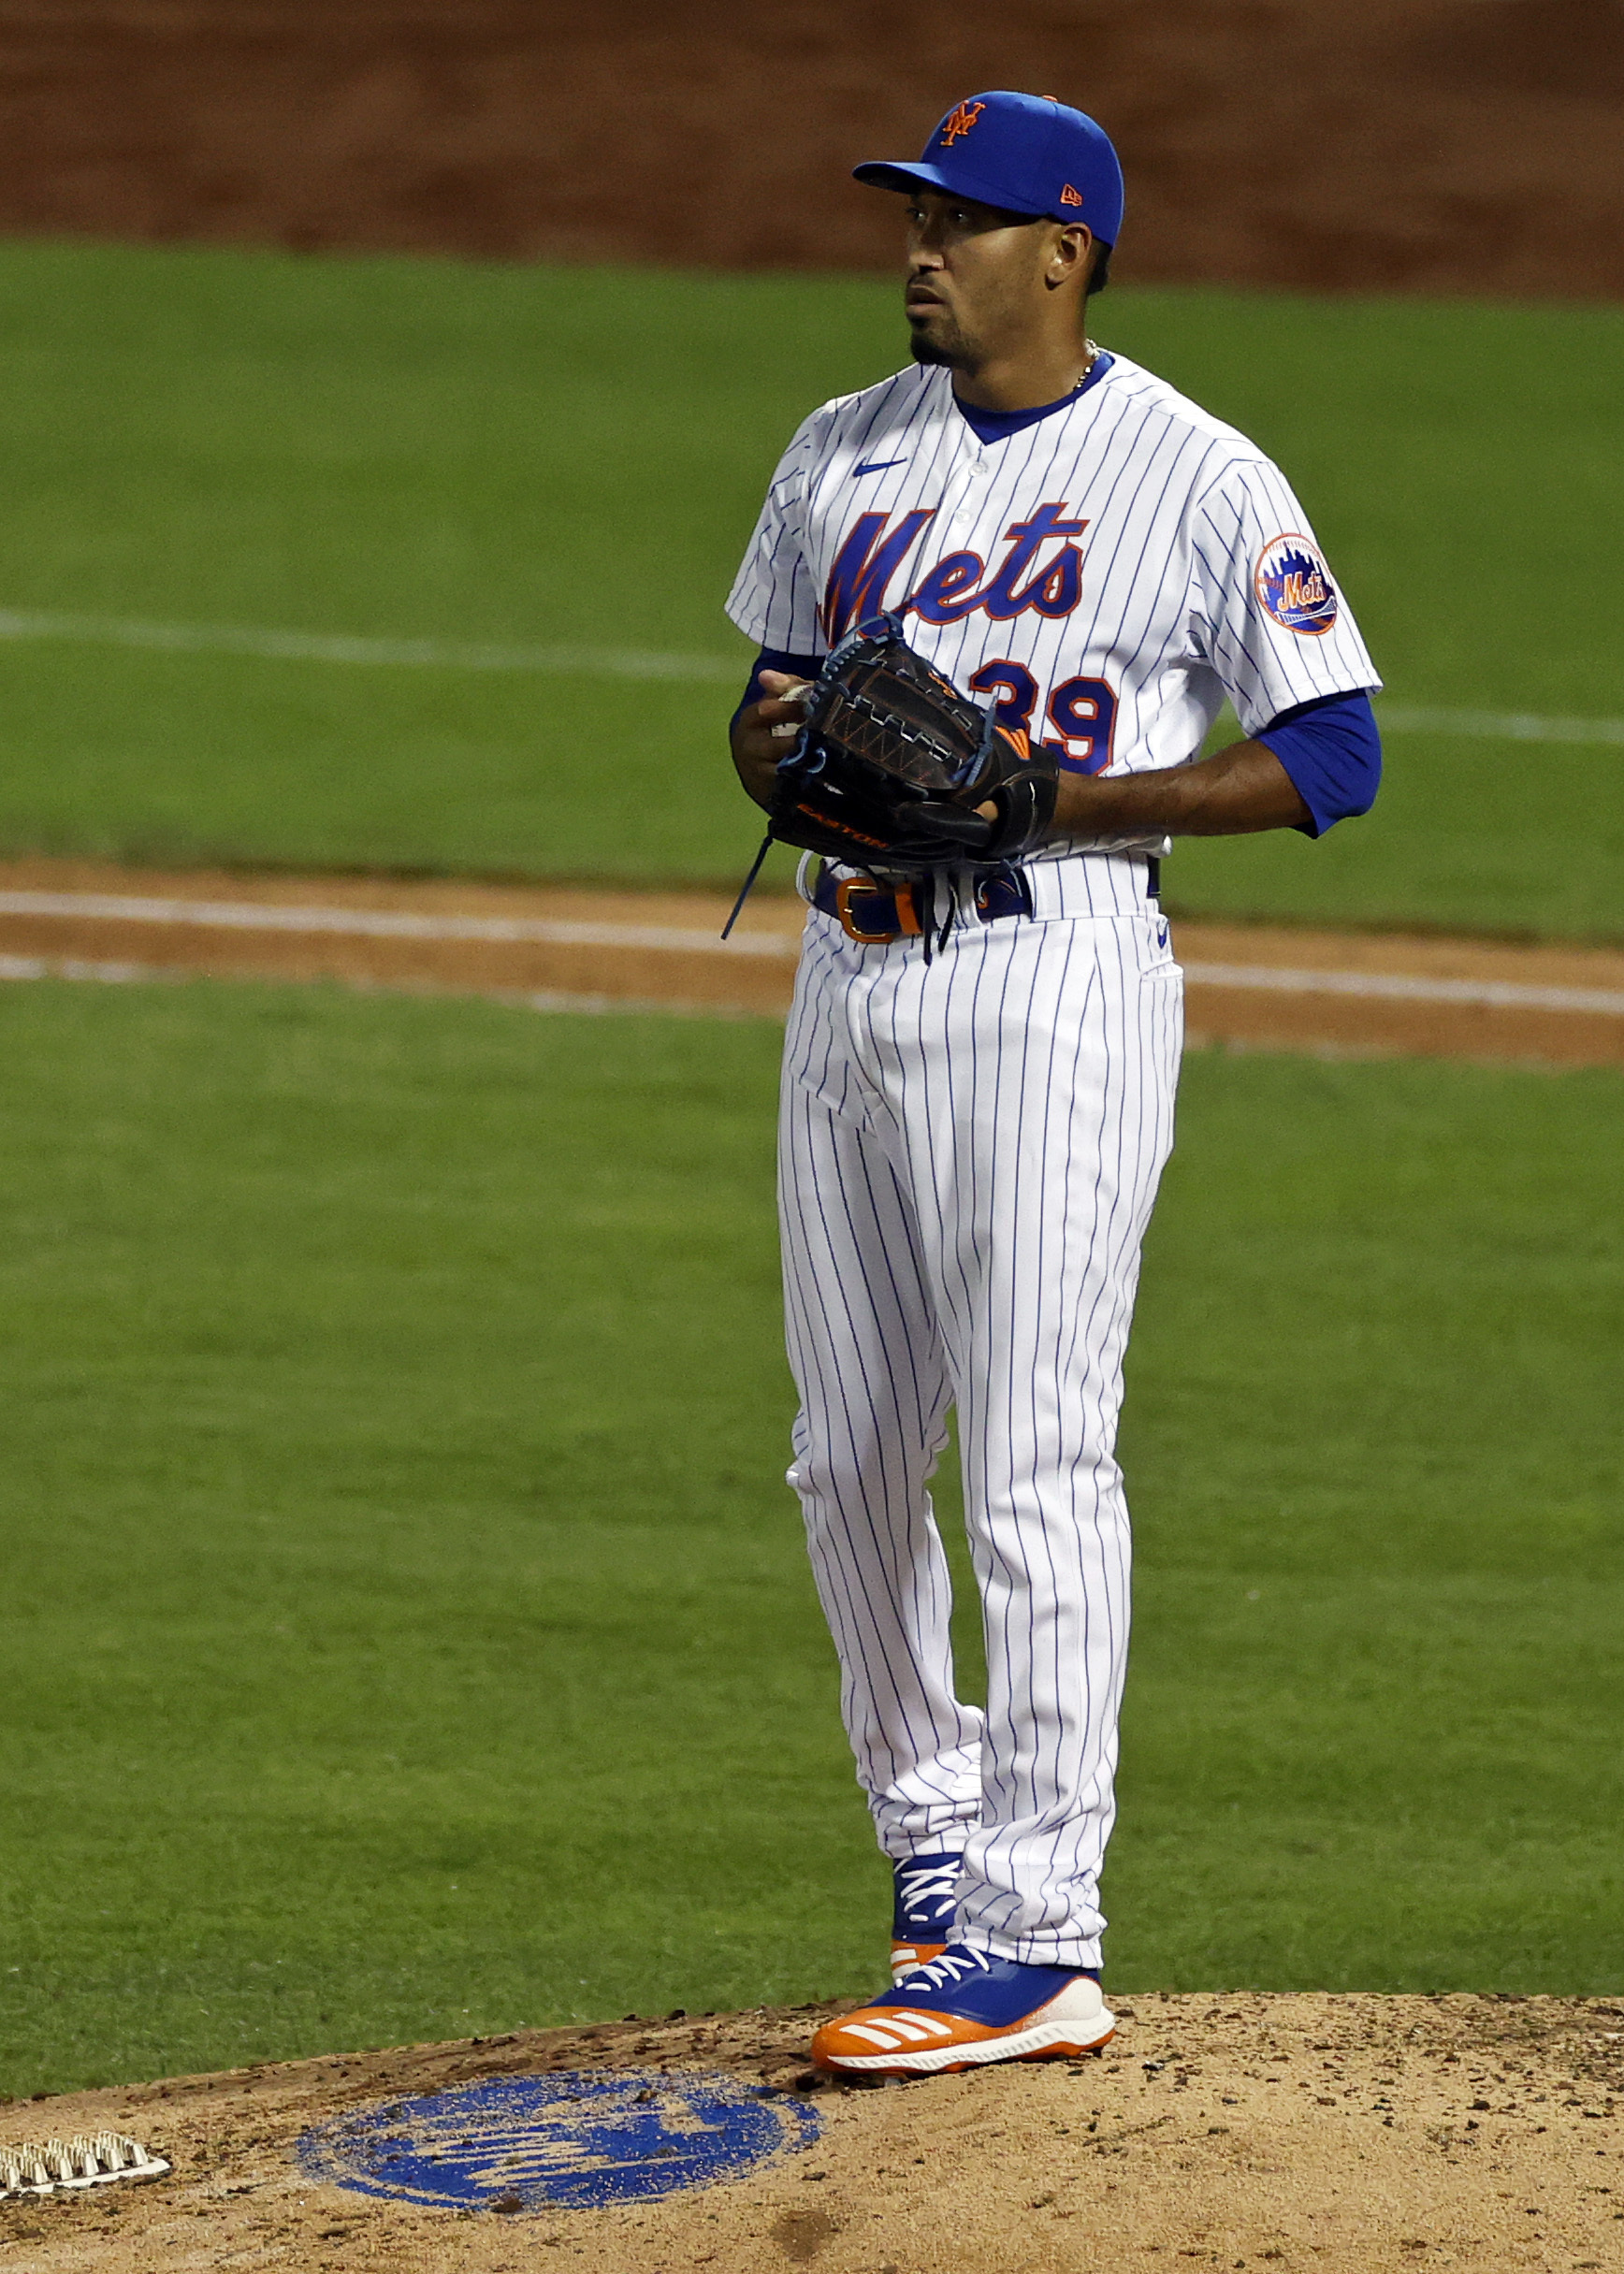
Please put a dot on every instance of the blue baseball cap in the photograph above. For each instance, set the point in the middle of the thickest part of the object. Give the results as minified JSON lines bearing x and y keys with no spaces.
{"x":1025,"y":153}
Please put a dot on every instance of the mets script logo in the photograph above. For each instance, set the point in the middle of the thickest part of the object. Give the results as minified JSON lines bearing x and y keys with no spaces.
{"x":960,"y":120}
{"x":1295,"y":585}
{"x":1040,"y":572}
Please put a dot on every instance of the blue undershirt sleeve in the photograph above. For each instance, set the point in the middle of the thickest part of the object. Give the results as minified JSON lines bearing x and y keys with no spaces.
{"x":1332,"y":750}
{"x":773,"y":659}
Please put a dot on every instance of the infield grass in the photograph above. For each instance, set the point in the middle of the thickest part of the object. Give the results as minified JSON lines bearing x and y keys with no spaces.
{"x":406,"y":1631}
{"x":575,"y":458}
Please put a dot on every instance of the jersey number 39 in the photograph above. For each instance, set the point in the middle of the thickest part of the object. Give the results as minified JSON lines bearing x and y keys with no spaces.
{"x":1082,"y":712}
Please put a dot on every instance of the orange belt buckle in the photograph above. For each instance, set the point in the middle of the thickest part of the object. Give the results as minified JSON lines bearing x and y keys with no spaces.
{"x":850,"y":889}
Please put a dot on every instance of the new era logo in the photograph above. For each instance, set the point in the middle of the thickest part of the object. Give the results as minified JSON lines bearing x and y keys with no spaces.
{"x":1069,"y":195}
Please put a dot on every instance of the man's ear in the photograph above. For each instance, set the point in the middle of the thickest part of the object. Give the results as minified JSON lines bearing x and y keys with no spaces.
{"x":1070,"y":250}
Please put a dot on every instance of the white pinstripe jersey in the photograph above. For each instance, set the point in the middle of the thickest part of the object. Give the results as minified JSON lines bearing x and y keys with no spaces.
{"x":1106,"y":574}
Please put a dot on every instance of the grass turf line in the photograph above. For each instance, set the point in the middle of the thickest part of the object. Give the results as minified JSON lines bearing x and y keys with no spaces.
{"x":408,"y":1633}
{"x":574,"y":457}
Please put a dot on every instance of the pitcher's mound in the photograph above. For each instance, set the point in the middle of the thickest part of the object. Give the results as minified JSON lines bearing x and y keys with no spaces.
{"x":1326,"y":2133}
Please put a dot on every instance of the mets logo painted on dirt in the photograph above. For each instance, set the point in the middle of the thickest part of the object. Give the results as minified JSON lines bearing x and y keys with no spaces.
{"x":959,"y":121}
{"x":579,"y":2137}
{"x":1295,"y":585}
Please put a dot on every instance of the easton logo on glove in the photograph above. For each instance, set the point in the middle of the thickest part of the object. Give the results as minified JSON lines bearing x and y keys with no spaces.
{"x":893,"y":763}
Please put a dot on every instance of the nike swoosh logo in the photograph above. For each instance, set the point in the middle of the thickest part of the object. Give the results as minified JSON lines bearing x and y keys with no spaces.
{"x":876,"y":466}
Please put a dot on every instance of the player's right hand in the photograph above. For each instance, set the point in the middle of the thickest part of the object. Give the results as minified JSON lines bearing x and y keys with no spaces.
{"x":763,"y":731}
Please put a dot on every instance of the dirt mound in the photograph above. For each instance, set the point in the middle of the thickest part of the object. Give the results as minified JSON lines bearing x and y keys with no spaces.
{"x":1455,"y":145}
{"x":1341,"y":2134}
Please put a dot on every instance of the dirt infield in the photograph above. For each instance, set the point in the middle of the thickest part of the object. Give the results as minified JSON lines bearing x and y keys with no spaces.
{"x":1449,"y":145}
{"x":1263,"y":987}
{"x":1346,"y":2135}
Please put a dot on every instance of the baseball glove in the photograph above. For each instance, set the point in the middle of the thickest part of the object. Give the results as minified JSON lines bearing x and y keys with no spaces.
{"x":892,"y":762}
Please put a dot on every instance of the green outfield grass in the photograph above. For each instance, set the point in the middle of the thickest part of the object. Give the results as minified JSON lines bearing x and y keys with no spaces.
{"x":404,"y":1611}
{"x":574,"y":457}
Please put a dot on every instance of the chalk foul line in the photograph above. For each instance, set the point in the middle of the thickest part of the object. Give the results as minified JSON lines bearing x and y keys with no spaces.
{"x":337,"y":648}
{"x":389,"y":924}
{"x":1399,"y":987}
{"x":670,"y":939}
{"x":636,"y":663}
{"x":29,"y":967}
{"x":1495,"y":726}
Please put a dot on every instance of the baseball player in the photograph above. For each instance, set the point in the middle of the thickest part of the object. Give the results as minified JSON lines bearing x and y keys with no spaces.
{"x":982,"y":1053}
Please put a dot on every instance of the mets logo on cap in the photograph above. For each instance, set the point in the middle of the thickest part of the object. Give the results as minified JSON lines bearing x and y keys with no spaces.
{"x":959,"y":121}
{"x":1295,"y":585}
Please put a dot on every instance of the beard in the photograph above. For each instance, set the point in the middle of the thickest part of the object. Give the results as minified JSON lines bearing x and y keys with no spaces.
{"x":946,"y":344}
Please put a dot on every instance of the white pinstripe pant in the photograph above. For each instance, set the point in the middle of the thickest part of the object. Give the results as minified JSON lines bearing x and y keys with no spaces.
{"x":969,"y":1152}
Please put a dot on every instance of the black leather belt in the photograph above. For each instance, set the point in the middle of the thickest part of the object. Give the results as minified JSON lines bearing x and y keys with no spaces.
{"x":876,"y":914}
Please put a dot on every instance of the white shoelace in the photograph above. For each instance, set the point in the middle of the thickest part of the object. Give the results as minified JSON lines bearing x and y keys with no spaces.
{"x":923,"y":1883}
{"x":951,"y":1966}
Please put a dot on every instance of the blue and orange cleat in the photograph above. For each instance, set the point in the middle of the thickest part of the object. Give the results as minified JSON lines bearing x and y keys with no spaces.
{"x":921,"y":1920}
{"x":965,"y":2009}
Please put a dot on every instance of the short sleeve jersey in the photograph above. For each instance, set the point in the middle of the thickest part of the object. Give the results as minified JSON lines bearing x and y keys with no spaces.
{"x":1105,"y":576}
